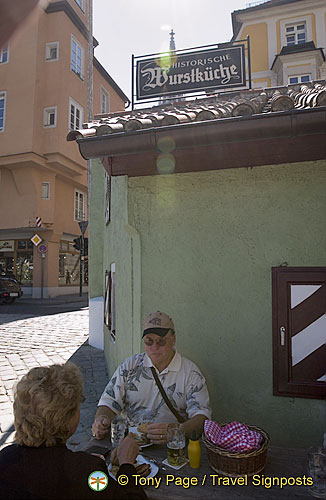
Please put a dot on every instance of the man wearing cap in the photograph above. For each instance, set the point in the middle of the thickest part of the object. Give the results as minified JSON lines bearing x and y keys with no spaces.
{"x":133,"y":392}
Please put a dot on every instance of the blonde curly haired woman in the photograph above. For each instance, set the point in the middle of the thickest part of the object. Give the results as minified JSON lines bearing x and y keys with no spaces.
{"x":39,"y":465}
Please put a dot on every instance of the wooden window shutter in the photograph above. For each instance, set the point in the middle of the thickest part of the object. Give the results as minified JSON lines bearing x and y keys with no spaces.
{"x":299,"y":331}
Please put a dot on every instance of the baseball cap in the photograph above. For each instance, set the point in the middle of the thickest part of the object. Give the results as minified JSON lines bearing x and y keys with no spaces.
{"x":158,"y":323}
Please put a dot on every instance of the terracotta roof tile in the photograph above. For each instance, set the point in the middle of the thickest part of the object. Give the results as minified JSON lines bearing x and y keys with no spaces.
{"x":217,"y":107}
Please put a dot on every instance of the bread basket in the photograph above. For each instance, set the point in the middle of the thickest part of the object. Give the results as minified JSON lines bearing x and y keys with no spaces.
{"x":234,"y":464}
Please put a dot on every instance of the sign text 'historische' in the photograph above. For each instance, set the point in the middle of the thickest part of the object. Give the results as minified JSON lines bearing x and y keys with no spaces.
{"x":175,"y":73}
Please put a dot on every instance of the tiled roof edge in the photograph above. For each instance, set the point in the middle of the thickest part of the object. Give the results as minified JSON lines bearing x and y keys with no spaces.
{"x":232,"y":105}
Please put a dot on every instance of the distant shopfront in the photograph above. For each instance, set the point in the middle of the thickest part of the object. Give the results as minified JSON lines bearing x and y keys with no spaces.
{"x":69,"y":265}
{"x":16,"y":257}
{"x":19,"y":258}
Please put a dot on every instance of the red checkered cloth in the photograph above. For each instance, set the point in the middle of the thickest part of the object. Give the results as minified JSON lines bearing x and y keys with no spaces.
{"x":234,"y":436}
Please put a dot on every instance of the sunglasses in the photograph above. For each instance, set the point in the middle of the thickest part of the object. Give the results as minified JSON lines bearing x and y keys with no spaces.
{"x":160,"y":342}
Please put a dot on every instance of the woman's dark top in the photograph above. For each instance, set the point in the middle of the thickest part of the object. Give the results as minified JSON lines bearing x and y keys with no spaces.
{"x":56,"y":473}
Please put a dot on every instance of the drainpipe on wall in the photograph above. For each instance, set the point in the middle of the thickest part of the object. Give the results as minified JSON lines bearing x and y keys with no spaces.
{"x":96,"y":305}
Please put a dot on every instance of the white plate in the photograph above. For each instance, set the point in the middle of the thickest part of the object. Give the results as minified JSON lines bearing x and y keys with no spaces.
{"x":134,"y":430}
{"x":140,"y":460}
{"x":14,"y":295}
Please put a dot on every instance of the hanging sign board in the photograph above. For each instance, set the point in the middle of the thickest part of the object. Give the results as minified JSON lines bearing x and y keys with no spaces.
{"x":179,"y":73}
{"x":7,"y":245}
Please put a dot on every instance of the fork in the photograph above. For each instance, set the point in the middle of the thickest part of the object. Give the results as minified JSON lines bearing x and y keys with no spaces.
{"x":156,"y":462}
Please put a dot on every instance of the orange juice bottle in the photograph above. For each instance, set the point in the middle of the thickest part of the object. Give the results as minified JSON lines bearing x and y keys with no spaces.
{"x":194,"y":451}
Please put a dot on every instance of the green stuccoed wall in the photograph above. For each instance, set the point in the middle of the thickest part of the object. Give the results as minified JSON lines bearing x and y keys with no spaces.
{"x":96,"y":230}
{"x":119,"y":243}
{"x":200,"y":247}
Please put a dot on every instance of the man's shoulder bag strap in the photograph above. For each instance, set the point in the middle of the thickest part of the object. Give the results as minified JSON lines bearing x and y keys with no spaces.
{"x":166,"y":399}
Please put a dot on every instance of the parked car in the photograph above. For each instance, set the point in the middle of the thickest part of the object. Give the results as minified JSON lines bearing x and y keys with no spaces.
{"x":10,"y":289}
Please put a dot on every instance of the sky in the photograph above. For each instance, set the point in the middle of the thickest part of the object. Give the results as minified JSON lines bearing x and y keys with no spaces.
{"x":139,"y":27}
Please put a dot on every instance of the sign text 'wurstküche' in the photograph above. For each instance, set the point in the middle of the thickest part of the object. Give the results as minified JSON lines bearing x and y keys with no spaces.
{"x":178,"y":73}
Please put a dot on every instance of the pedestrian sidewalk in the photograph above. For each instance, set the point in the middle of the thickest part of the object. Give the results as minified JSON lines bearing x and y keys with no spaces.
{"x":92,"y":364}
{"x":57,"y":301}
{"x":43,"y":341}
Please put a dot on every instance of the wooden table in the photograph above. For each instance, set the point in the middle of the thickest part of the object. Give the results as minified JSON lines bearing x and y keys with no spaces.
{"x":281,"y":462}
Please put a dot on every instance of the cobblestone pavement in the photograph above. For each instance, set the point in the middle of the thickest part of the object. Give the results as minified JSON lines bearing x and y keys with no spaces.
{"x":27,"y":341}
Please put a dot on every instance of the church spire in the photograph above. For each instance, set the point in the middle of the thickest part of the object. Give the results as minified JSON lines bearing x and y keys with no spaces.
{"x":173,"y":58}
{"x":172,"y":42}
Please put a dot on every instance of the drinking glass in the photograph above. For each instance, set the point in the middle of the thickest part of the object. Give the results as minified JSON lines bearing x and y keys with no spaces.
{"x":317,"y":471}
{"x":176,"y":444}
{"x":118,"y":430}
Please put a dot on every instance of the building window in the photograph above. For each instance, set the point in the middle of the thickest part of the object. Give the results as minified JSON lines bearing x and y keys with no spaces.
{"x":24,"y":262}
{"x":50,"y":117}
{"x":69,"y":265}
{"x":299,"y":326}
{"x":77,"y":58}
{"x":109,"y":302}
{"x":299,"y":79}
{"x":4,"y":54}
{"x":75,"y":115}
{"x":296,"y":33}
{"x":80,"y":206}
{"x":107,"y":198}
{"x":52,"y":51}
{"x":45,"y":190}
{"x":105,"y":101}
{"x":2,"y":110}
{"x":16,"y":259}
{"x":81,"y":4}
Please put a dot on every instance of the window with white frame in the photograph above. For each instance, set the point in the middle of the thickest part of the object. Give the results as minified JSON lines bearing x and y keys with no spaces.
{"x":50,"y":117}
{"x":109,"y":302}
{"x":299,"y":325}
{"x":81,"y":4}
{"x":4,"y":54}
{"x":77,"y":57}
{"x":80,"y":205}
{"x":76,"y":114}
{"x":105,"y":101}
{"x":107,"y":198}
{"x":299,"y":79}
{"x":2,"y":110}
{"x":52,"y":51}
{"x":296,"y":33}
{"x":45,"y":190}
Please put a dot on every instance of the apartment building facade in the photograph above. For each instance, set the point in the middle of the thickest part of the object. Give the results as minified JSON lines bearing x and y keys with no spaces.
{"x":287,"y":40}
{"x":44,"y":92}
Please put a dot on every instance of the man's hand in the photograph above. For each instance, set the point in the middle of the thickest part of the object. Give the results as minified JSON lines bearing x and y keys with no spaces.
{"x":127,"y":450}
{"x":100,"y":427}
{"x":156,"y":433}
{"x":114,"y":457}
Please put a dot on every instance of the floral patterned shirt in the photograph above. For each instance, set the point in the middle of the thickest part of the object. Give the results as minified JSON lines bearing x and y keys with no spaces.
{"x":132,"y":391}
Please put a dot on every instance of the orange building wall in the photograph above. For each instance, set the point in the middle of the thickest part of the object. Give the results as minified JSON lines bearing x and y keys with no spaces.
{"x":64,"y":206}
{"x":17,"y":78}
{"x":31,"y":153}
{"x":116,"y":102}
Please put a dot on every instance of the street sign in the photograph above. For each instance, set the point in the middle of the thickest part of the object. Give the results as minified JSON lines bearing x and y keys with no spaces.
{"x":36,"y":240}
{"x":43,"y":248}
{"x":83,"y":226}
